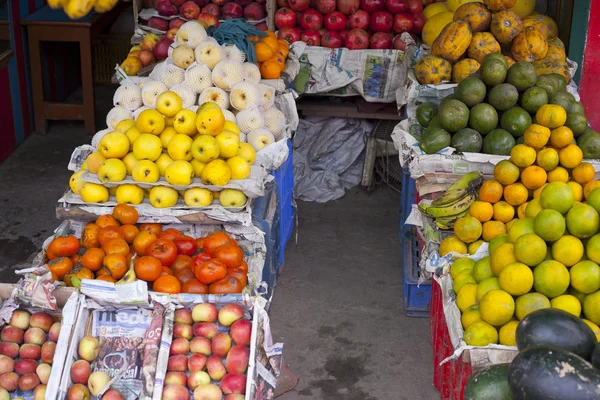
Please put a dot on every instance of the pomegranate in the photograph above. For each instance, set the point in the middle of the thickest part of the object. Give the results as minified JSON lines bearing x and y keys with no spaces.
{"x":299,"y":5}
{"x":201,"y":3}
{"x":381,"y":21}
{"x":232,"y":10}
{"x":284,"y":17}
{"x":360,"y":19}
{"x":403,"y":23}
{"x":243,"y":3}
{"x":372,"y":6}
{"x":396,"y":6}
{"x":212,"y":9}
{"x":158,"y":23}
{"x":398,"y":43}
{"x":343,"y":35}
{"x":414,"y":6}
{"x":325,"y":6}
{"x":348,"y":6}
{"x":322,"y":31}
{"x":357,"y":39}
{"x":283,"y":3}
{"x":254,"y":12}
{"x":288,"y":34}
{"x":331,"y":39}
{"x":381,"y":40}
{"x":419,"y":21}
{"x":311,"y":19}
{"x":176,"y":23}
{"x":165,"y":8}
{"x":335,"y":21}
{"x":311,"y":37}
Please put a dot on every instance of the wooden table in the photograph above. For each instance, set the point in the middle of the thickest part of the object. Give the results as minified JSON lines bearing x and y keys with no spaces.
{"x":51,"y":25}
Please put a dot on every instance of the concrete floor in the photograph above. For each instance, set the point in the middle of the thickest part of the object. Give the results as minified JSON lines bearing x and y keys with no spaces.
{"x":338,"y":304}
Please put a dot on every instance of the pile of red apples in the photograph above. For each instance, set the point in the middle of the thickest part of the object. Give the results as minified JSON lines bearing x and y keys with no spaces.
{"x":209,"y":354}
{"x":27,"y":346}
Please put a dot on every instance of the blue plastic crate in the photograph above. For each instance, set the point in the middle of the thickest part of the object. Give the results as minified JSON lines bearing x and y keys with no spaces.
{"x":284,"y":178}
{"x":416,"y":296}
{"x":408,"y":196}
{"x":265,"y":216}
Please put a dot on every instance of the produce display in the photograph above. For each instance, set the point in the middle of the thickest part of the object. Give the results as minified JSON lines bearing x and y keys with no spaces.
{"x":27,"y":346}
{"x":77,"y":9}
{"x":116,"y":249}
{"x":462,"y":33}
{"x":209,"y":354}
{"x":354,"y":24}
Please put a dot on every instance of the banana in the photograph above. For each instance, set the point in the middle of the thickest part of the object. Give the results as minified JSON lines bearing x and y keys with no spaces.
{"x":76,"y":9}
{"x":448,"y":222}
{"x":463,"y":185}
{"x":57,"y":3}
{"x":105,"y":5}
{"x":128,"y":277}
{"x":451,"y":210}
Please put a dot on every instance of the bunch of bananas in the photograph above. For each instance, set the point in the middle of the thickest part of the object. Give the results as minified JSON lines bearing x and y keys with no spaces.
{"x":76,"y":9}
{"x":455,"y":202}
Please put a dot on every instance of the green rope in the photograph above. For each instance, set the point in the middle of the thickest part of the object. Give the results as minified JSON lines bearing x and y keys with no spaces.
{"x":236,"y":31}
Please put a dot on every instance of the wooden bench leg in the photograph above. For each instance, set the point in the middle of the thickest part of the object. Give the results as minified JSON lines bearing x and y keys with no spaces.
{"x":87,"y":81}
{"x":37,"y":83}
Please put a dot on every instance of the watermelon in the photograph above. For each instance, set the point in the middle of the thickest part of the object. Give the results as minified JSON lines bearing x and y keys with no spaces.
{"x":489,"y":384}
{"x":596,"y":356}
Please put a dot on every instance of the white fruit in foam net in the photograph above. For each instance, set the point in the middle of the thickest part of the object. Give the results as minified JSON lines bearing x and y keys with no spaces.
{"x":242,"y":137}
{"x":172,"y":75}
{"x":233,"y":53}
{"x":198,"y":77}
{"x":250,"y":119}
{"x":227,"y":73}
{"x":229,"y":116}
{"x":116,"y":115}
{"x":191,"y":33}
{"x":252,"y":72}
{"x":193,"y":108}
{"x":137,"y":112}
{"x":151,"y":90}
{"x":188,"y":96}
{"x":275,"y":121}
{"x":99,"y":135}
{"x":128,"y":96}
{"x":209,"y":54}
{"x":259,"y":138}
{"x":245,"y":95}
{"x":268,"y":96}
{"x":216,"y":95}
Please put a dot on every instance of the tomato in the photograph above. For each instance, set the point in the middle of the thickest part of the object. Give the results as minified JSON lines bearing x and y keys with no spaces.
{"x":89,"y":236}
{"x":154,"y":228}
{"x":244,"y":266}
{"x":118,"y":246}
{"x":228,"y":285}
{"x":199,"y":259}
{"x":200,"y":243}
{"x":142,"y":242}
{"x":107,"y":220}
{"x":60,"y":266}
{"x":214,"y":240}
{"x":106,"y":278}
{"x":92,"y":259}
{"x":75,"y":259}
{"x":125,"y":214}
{"x":185,"y":275}
{"x":210,"y":271}
{"x":182,"y":262}
{"x":110,"y":232}
{"x":170,"y":234}
{"x":232,"y":256}
{"x":130,"y":232}
{"x":167,"y":271}
{"x":81,"y":273}
{"x":194,"y":286}
{"x":239,"y":274}
{"x":185,"y":245}
{"x":116,"y":265}
{"x":65,"y":246}
{"x":163,"y":249}
{"x":167,"y":284}
{"x":148,"y":268}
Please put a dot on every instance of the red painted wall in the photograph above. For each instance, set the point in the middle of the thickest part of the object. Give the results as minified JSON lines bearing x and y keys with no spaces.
{"x":589,"y":85}
{"x":7,"y":138}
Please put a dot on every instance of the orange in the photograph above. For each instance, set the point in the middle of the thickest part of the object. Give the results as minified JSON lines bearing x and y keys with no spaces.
{"x":533,"y":177}
{"x":116,"y":265}
{"x":491,"y":191}
{"x":588,"y":187}
{"x":503,"y":212}
{"x":583,"y":173}
{"x":482,"y":210}
{"x":577,"y":190}
{"x":280,"y":60}
{"x":263,"y":51}
{"x":547,"y":159}
{"x":522,"y":155}
{"x":558,"y":174}
{"x":60,"y":266}
{"x":561,"y":137}
{"x":536,"y":136}
{"x":551,"y":116}
{"x":283,"y":47}
{"x":537,"y":192}
{"x":521,"y":210}
{"x":130,"y":232}
{"x":516,"y":194}
{"x":271,"y":41}
{"x":570,"y":156}
{"x":506,"y":172}
{"x":491,"y":229}
{"x":270,"y":69}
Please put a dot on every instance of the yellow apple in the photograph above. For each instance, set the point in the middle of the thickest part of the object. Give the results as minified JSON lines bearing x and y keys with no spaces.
{"x":205,"y":148}
{"x":93,"y":162}
{"x":240,"y":169}
{"x":185,"y":122}
{"x":247,"y":152}
{"x":198,"y":197}
{"x":112,"y":191}
{"x":198,"y":167}
{"x":216,"y":173}
{"x":163,"y":162}
{"x":147,"y":147}
{"x":129,"y":160}
{"x":210,"y":121}
{"x":179,"y":173}
{"x":124,"y":125}
{"x":112,"y":170}
{"x":209,"y":105}
{"x":169,"y":121}
{"x":94,"y":193}
{"x":166,"y":135}
{"x":163,"y":196}
{"x":114,"y":145}
{"x":230,"y":126}
{"x":129,"y":194}
{"x":97,"y":381}
{"x":228,"y":144}
{"x":232,"y":198}
{"x":145,"y":171}
{"x":132,"y":134}
{"x":75,"y":182}
{"x":84,"y":166}
{"x":150,"y":121}
{"x":180,"y":147}
{"x":216,"y":195}
{"x":168,"y":103}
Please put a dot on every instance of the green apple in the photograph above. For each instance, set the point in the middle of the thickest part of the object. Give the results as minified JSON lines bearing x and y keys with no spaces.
{"x":75,"y":182}
{"x":198,"y":167}
{"x":247,"y":152}
{"x":94,"y":193}
{"x":163,"y":162}
{"x":114,"y":145}
{"x":228,"y":143}
{"x":205,"y":148}
{"x":240,"y":169}
{"x":163,"y":196}
{"x":112,"y":170}
{"x":198,"y":197}
{"x":129,"y":161}
{"x":179,"y":173}
{"x":147,"y":147}
{"x":180,"y":147}
{"x":145,"y":171}
{"x":232,"y":198}
{"x":216,"y":173}
{"x":129,"y":194}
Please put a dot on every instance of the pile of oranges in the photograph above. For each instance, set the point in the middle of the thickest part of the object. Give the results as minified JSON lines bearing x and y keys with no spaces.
{"x":271,"y":54}
{"x":116,"y":249}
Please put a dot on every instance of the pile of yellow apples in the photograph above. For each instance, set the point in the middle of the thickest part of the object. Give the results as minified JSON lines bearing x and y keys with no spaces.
{"x":173,"y":143}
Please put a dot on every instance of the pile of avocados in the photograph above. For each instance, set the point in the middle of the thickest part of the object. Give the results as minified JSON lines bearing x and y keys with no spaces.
{"x":490,"y":111}
{"x":559,"y":359}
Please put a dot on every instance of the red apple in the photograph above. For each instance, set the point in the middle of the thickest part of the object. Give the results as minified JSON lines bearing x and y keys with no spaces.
{"x":285,"y":18}
{"x":201,"y":345}
{"x":241,"y":331}
{"x":54,"y":332}
{"x":232,"y":10}
{"x":237,"y":359}
{"x":78,"y":392}
{"x":209,"y":391}
{"x":112,"y":394}
{"x":230,"y":313}
{"x":80,"y":371}
{"x":221,"y":344}
{"x":215,"y":367}
{"x":165,"y":8}
{"x":9,"y":381}
{"x":180,"y":346}
{"x":88,"y":348}
{"x":30,"y":351}
{"x":254,"y":12}
{"x":9,"y":349}
{"x":176,"y":23}
{"x":161,"y":50}
{"x":177,"y":363}
{"x":7,"y":364}
{"x":25,"y":366}
{"x":181,"y":330}
{"x":158,"y":23}
{"x":189,"y":10}
{"x":184,"y":316}
{"x":43,"y":372}
{"x":176,"y":378}
{"x":197,"y":378}
{"x":235,"y":396}
{"x":205,"y":329}
{"x":28,"y":382}
{"x":41,"y":320}
{"x":171,"y":33}
{"x":205,"y":312}
{"x":40,"y":392}
{"x":196,"y":362}
{"x":208,"y":19}
{"x":147,"y":57}
{"x":12,"y":334}
{"x":176,"y":392}
{"x":262,"y":26}
{"x":20,"y":319}
{"x":35,"y":336}
{"x":233,"y":383}
{"x":212,"y":9}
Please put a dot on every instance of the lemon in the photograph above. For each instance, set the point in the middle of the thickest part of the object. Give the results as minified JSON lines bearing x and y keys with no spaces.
{"x":585,"y":277}
{"x":516,"y":279}
{"x":508,"y":333}
{"x":460,"y":265}
{"x":551,"y":278}
{"x":470,"y":315}
{"x":481,"y":333}
{"x":466,"y":296}
{"x":567,"y":303}
{"x":529,"y":303}
{"x":497,"y":307}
